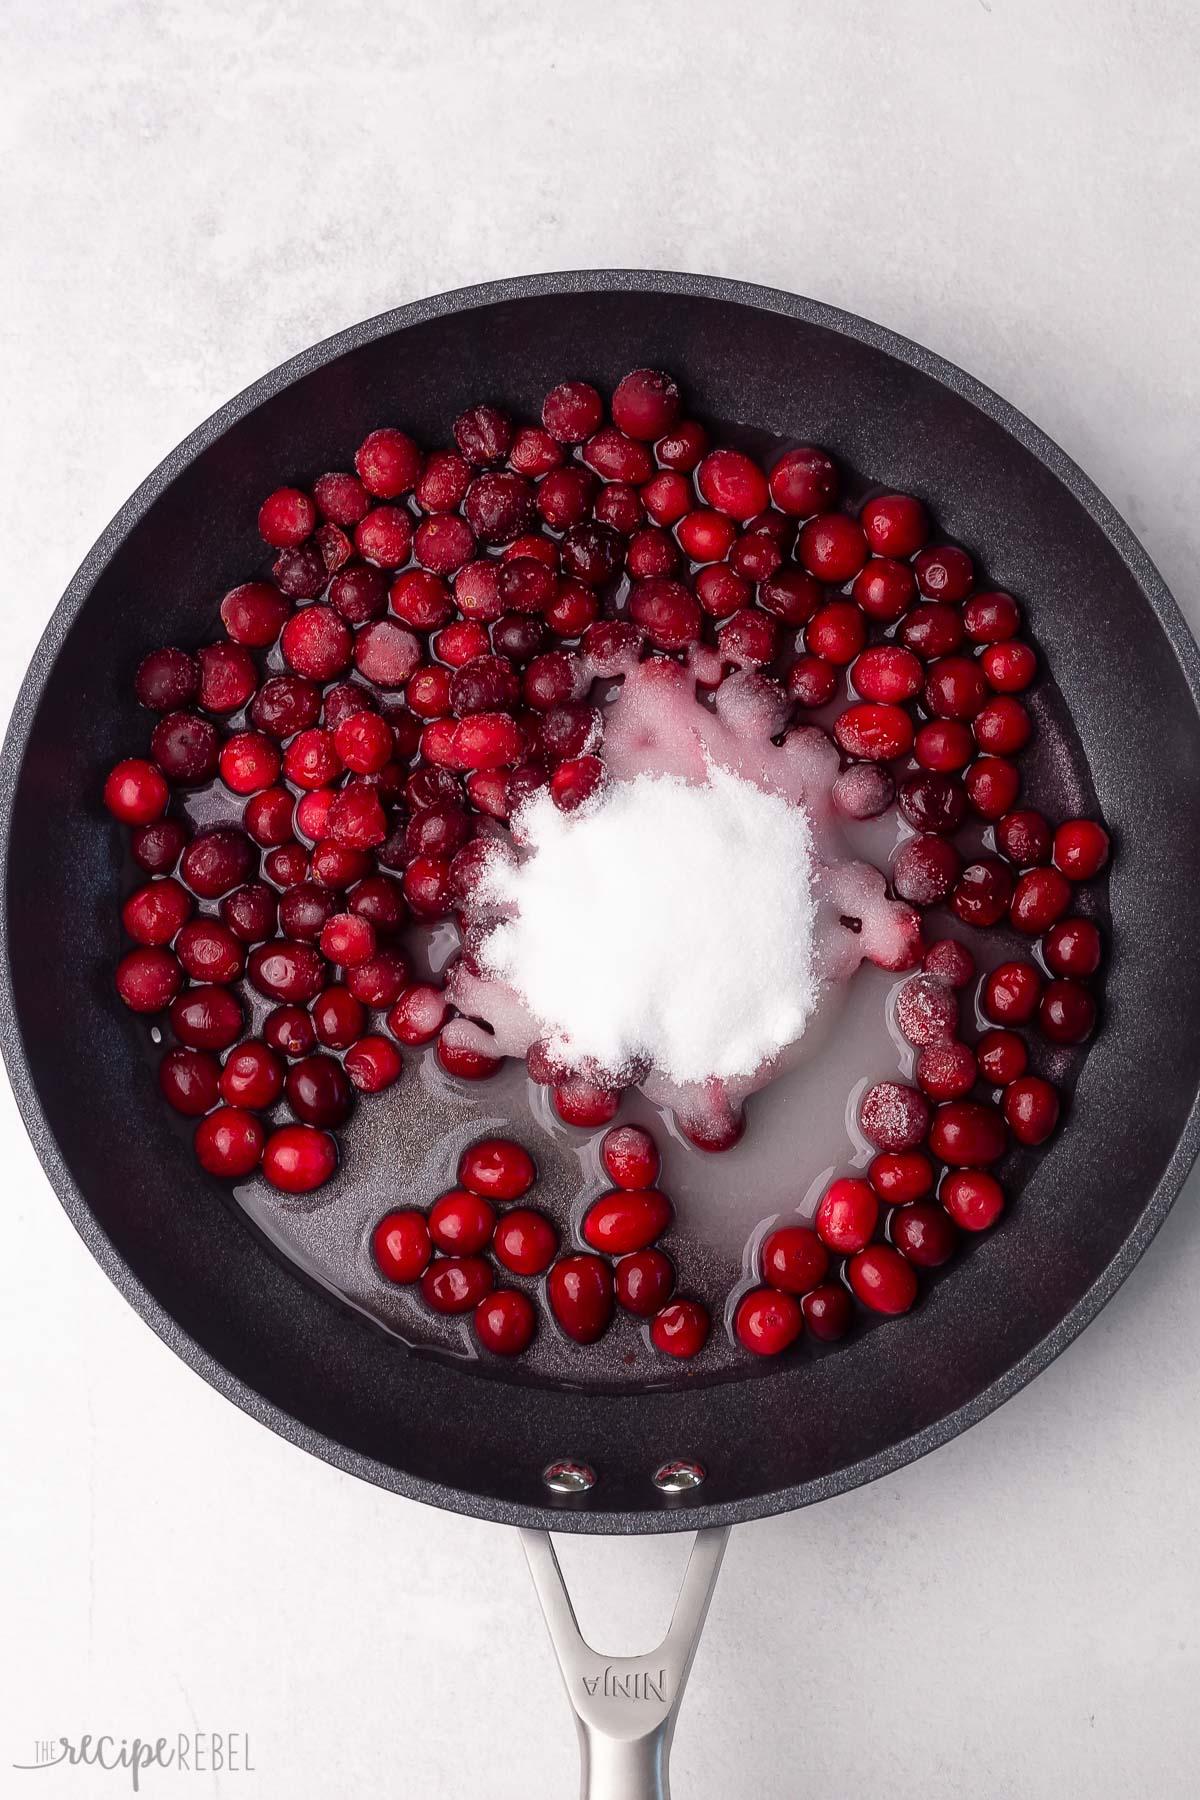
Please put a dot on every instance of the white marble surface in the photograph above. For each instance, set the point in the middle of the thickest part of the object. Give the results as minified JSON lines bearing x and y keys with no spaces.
{"x":195,"y":189}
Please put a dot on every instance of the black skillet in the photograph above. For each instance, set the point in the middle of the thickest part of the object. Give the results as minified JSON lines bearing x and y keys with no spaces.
{"x":1128,"y":672}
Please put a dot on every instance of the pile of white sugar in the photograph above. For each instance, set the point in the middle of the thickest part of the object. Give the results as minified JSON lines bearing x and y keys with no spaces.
{"x":663,"y":921}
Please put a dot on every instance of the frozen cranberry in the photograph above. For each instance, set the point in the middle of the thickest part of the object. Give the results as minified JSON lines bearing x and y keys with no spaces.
{"x":1011,"y":993}
{"x":901,"y":1176}
{"x":733,"y":484}
{"x":882,"y":1279}
{"x":525,"y":1241}
{"x":836,"y":632}
{"x":630,"y":1157}
{"x":683,"y":446}
{"x":505,"y":1322}
{"x":284,"y":705}
{"x":874,"y":731}
{"x":828,"y":1312}
{"x":944,"y":746}
{"x":1072,"y":948}
{"x":767,"y":1321}
{"x":1067,"y":1014}
{"x":991,"y":618}
{"x":1024,"y":838}
{"x":966,"y":1134}
{"x":621,"y":1221}
{"x":303,"y":573}
{"x":249,"y":762}
{"x":863,"y":791}
{"x":216,"y":861}
{"x":312,"y":812}
{"x":950,"y":961}
{"x":252,"y":1076}
{"x":229,"y":1143}
{"x":789,"y":595}
{"x":155,"y":912}
{"x":933,"y":802}
{"x":286,"y":864}
{"x":926,"y":1011}
{"x":564,"y":498}
{"x":519,"y":638}
{"x":359,"y":594}
{"x":1080,"y":849}
{"x":156,"y":847}
{"x":946,"y":1071}
{"x":803,"y":482}
{"x":356,"y":819}
{"x":812,"y":681}
{"x":885,"y":589}
{"x":646,"y":404}
{"x":1002,"y":727}
{"x":339,"y":865}
{"x":228,"y":677}
{"x":681,"y":1328}
{"x":893,"y":1117}
{"x":401,"y":1246}
{"x":332,"y":544}
{"x":305,"y":910}
{"x":756,"y":556}
{"x":705,"y":536}
{"x":617,"y":457}
{"x":186,"y":748}
{"x":286,"y":517}
{"x":651,"y":552}
{"x":461,"y":1224}
{"x":348,"y":940}
{"x":167,"y":680}
{"x":895,"y":524}
{"x":794,"y":1258}
{"x":1002,"y":1057}
{"x":386,"y":653}
{"x":1031,"y":1108}
{"x":925,"y":870}
{"x":1041,"y":898}
{"x":442,"y":545}
{"x":923,"y":1234}
{"x":945,"y":572}
{"x":667,"y":497}
{"x":573,"y":609}
{"x":580,"y":1292}
{"x":457,"y":643}
{"x":720,"y":592}
{"x":252,"y":614}
{"x":206,"y":1018}
{"x":384,"y":537}
{"x":932,"y":630}
{"x":1009,"y":667}
{"x":341,"y":497}
{"x":388,"y":463}
{"x":572,"y":411}
{"x":311,"y":759}
{"x":973,"y":1198}
{"x":283,"y":970}
{"x":584,"y":1103}
{"x":488,"y":740}
{"x":983,"y":892}
{"x":499,"y":506}
{"x":319,"y":1091}
{"x":847,"y":1215}
{"x":887,"y":672}
{"x":380,"y":981}
{"x":209,"y":951}
{"x":190,"y":1081}
{"x":299,"y":1158}
{"x":645,"y":1281}
{"x":573,"y":783}
{"x":485,"y":684}
{"x":749,"y":640}
{"x":484,"y":434}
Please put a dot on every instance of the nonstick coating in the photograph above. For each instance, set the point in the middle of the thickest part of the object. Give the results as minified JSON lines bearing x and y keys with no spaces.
{"x":1130,"y":674}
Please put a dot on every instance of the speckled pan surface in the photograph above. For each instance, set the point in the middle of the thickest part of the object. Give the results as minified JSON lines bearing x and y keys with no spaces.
{"x":1130,"y":675}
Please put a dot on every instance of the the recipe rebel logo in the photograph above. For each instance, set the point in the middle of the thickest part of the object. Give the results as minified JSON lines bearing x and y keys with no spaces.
{"x":187,"y":1752}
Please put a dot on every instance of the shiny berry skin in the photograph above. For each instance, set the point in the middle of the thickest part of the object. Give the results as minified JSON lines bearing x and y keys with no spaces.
{"x":283,"y":970}
{"x":341,"y":497}
{"x":847,"y":1215}
{"x":373,"y":1063}
{"x":1041,"y":898}
{"x":252,"y":1076}
{"x":209,"y":951}
{"x":882,"y":1279}
{"x":1009,"y":667}
{"x":950,"y":961}
{"x":899,"y":1177}
{"x":616,"y":457}
{"x":299,"y":1158}
{"x":749,"y":640}
{"x":828,"y":1312}
{"x":1002,"y":727}
{"x":991,"y":618}
{"x":254,"y":614}
{"x":1067,"y":1013}
{"x":206,"y":1018}
{"x":683,"y":446}
{"x":885,"y":590}
{"x":190,"y":1081}
{"x":166,"y":680}
{"x":681,"y":1328}
{"x":666,"y":612}
{"x":460,"y":1223}
{"x":1080,"y":849}
{"x":456,"y":1284}
{"x":945,"y":573}
{"x":790,"y":596}
{"x":418,"y":1015}
{"x":705,"y":536}
{"x":973,"y":1198}
{"x":580,"y":1292}
{"x":497,"y":1169}
{"x":286,"y":518}
{"x":768,"y":1322}
{"x":579,"y":1102}
{"x":892,"y":1116}
{"x":923,"y":1234}
{"x":966,"y":1135}
{"x":933,"y":802}
{"x":401,"y":1245}
{"x":467,"y":1064}
{"x":731,"y":483}
{"x":812,"y":681}
{"x":955,"y":689}
{"x":319,"y":1091}
{"x":155,"y":912}
{"x":1031,"y":1108}
{"x":837,"y":632}
{"x":944,"y":746}
{"x":620,"y":1222}
{"x":525,"y":1241}
{"x":630,"y":1157}
{"x":1011,"y":993}
{"x":794,"y":1259}
{"x":645,"y":404}
{"x":348,"y":940}
{"x":1072,"y":948}
{"x":887,"y":672}
{"x":644,"y":1282}
{"x":874,"y":731}
{"x":1024,"y":838}
{"x":803,"y":482}
{"x":667,"y":497}
{"x":135,"y":792}
{"x":229,"y":1142}
{"x":156,"y":847}
{"x":992,"y":783}
{"x":1002,"y":1057}
{"x":388,"y":463}
{"x":932,"y":630}
{"x":833,"y":547}
{"x":505,"y":1322}
{"x":895,"y":524}
{"x":983,"y":892}
{"x":380,"y":981}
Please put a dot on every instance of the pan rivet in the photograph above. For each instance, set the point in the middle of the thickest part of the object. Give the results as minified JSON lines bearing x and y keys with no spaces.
{"x":678,"y":1477}
{"x":568,"y":1477}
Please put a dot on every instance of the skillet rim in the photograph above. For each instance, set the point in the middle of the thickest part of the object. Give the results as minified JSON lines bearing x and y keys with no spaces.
{"x":692,"y":1514}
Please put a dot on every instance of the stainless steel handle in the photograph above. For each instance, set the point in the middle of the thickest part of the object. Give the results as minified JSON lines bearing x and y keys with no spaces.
{"x":625,"y":1707}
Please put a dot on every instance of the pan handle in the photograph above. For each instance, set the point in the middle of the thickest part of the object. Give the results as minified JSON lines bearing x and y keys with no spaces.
{"x":625,"y":1706}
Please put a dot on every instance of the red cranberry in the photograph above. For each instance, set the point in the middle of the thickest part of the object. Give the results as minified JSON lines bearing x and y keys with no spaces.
{"x":620,"y":1221}
{"x":925,"y":870}
{"x":803,"y":482}
{"x":667,"y":497}
{"x":486,"y":684}
{"x":945,"y":573}
{"x":1002,"y":1057}
{"x":591,"y":553}
{"x":228,"y":677}
{"x":749,"y":640}
{"x":1080,"y":849}
{"x":944,"y":746}
{"x":884,"y":589}
{"x":1041,"y":898}
{"x":950,"y":961}
{"x":304,"y":911}
{"x":732,"y":484}
{"x":249,"y":762}
{"x":882,"y":1279}
{"x":645,"y":1281}
{"x":289,"y":1029}
{"x":1009,"y":667}
{"x":210,"y":952}
{"x":484,"y":434}
{"x":1024,"y":837}
{"x":380,"y":981}
{"x":812,"y":681}
{"x":386,"y":653}
{"x":847,"y":1215}
{"x":756,"y":556}
{"x":645,"y":404}
{"x":888,"y":673}
{"x":420,"y":599}
{"x":630,"y":1157}
{"x":283,"y":970}
{"x":505,"y":1322}
{"x":497,"y":1168}
{"x":617,"y":457}
{"x":520,"y":638}
{"x":461,"y":1224}
{"x":580,"y":1291}
{"x":338,"y":1017}
{"x":401,"y":1247}
{"x":319,"y":1091}
{"x":899,"y":1177}
{"x":363,"y":742}
{"x":380,"y":900}
{"x":966,"y":1135}
{"x":348,"y":940}
{"x":932,"y":630}
{"x":573,"y":610}
{"x":832,"y":547}
{"x":573,"y":783}
{"x":1002,"y":727}
{"x":252,"y":614}
{"x":681,"y":1328}
{"x":252,"y":1076}
{"x":154,"y":913}
{"x":286,"y":517}
{"x":651,"y":552}
{"x":991,"y":618}
{"x":359,"y":594}
{"x":683,"y":446}
{"x":837,"y":632}
{"x":584,"y":1103}
{"x":992,"y":784}
{"x":893,"y":1117}
{"x":794,"y":1258}
{"x":525,"y":1241}
{"x":923,"y":1234}
{"x":874,"y":730}
{"x":933,"y":802}
{"x":863,"y":791}
{"x":926,"y":1011}
{"x":564,"y":498}
{"x":456,"y":1284}
{"x":1011,"y":993}
{"x":466,"y":1063}
{"x":946,"y":1071}
{"x":284,"y":705}
{"x":229,"y":1143}
{"x":790,"y":595}
{"x":1067,"y":1014}
{"x":1072,"y":948}
{"x":488,"y":740}
{"x":388,"y":463}
{"x":167,"y":680}
{"x":311,"y":759}
{"x":156,"y":847}
{"x":572,"y":411}
{"x":217,"y":861}
{"x":190,"y":1081}
{"x":705,"y":536}
{"x":356,"y":819}
{"x":384,"y":537}
{"x":205,"y":1018}
{"x":527,"y":585}
{"x":186,"y":748}
{"x":973,"y":1198}
{"x":341,"y":497}
{"x":895,"y":524}
{"x":768,"y":1322}
{"x":461,"y":641}
{"x":302,"y":574}
{"x":955,"y":688}
{"x":983,"y":892}
{"x":373,"y":1063}
{"x":299,"y":1158}
{"x":499,"y":506}
{"x":828,"y":1312}
{"x":442,"y":545}
{"x":1031,"y":1108}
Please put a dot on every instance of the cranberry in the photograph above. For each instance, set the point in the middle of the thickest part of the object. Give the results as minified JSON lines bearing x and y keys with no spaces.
{"x":252,"y":614}
{"x":525,"y":1241}
{"x":828,"y":1312}
{"x":966,"y":1134}
{"x":284,"y":705}
{"x":249,"y":762}
{"x":955,"y":688}
{"x":789,"y":595}
{"x":847,"y":1215}
{"x":645,"y":1281}
{"x":485,"y":684}
{"x":154,"y":913}
{"x":167,"y":680}
{"x":348,"y":940}
{"x":299,"y":1158}
{"x":1072,"y":948}
{"x":484,"y":434}
{"x":252,"y":1076}
{"x":289,"y":1029}
{"x":210,"y":952}
{"x":461,"y":641}
{"x":1041,"y":898}
{"x":216,"y":861}
{"x":926,"y":1011}
{"x":749,"y":640}
{"x":886,"y":672}
{"x":884,"y":589}
{"x":283,"y":970}
{"x":646,"y":404}
{"x":1067,"y":1014}
{"x":950,"y":961}
{"x":286,"y":865}
{"x":1011,"y":993}
{"x":580,"y":1292}
{"x":461,"y":1224}
{"x":992,"y":784}
{"x":973,"y":1198}
{"x":319,"y":1091}
{"x":895,"y":524}
{"x":373,"y":1063}
{"x":756,"y":556}
{"x":832,"y":547}
{"x":923,"y":1234}
{"x":946,"y":1071}
{"x":519,"y":638}
{"x":156,"y":847}
{"x":359,"y":594}
{"x":380,"y":981}
{"x":584,"y":1103}
{"x":505,"y":1322}
{"x":1024,"y":838}
{"x":388,"y":463}
{"x":863,"y":791}
{"x":303,"y":573}
{"x":991,"y":618}
{"x":573,"y":783}
{"x":341,"y":497}
{"x":305,"y":910}
{"x":573,"y":610}
{"x":190,"y":1081}
{"x":1009,"y":667}
{"x":945,"y":573}
{"x":499,"y":506}
{"x":925,"y":870}
{"x":618,"y":457}
{"x":1031,"y":1108}
{"x":466,"y":1063}
{"x":418,"y":1014}
{"x":794,"y":1258}
{"x":768,"y":1322}
{"x":812,"y":681}
{"x":874,"y":730}
{"x":228,"y":677}
{"x":667,"y":497}
{"x":681,"y":1328}
{"x":456,"y":1284}
{"x":205,"y":1018}
{"x":186,"y":748}
{"x":983,"y":892}
{"x":933,"y":802}
{"x":1002,"y":1057}
{"x":901,"y":1176}
{"x":944,"y":746}
{"x":1080,"y":849}
{"x":804,"y":481}
{"x":630,"y":1157}
{"x":386,"y":653}
{"x":572,"y":411}
{"x":683,"y":446}
{"x":229,"y":1143}
{"x":705,"y":536}
{"x":384,"y":537}
{"x":286,"y":517}
{"x":893,"y":1117}
{"x":882,"y":1279}
{"x":932,"y":630}
{"x":401,"y":1245}
{"x":497,"y":1169}
{"x":620,"y":1221}
{"x":1003,"y":727}
{"x":564,"y":498}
